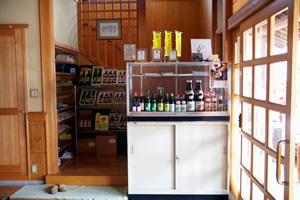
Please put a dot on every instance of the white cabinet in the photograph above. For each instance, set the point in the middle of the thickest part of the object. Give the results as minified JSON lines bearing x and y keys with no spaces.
{"x":177,"y":157}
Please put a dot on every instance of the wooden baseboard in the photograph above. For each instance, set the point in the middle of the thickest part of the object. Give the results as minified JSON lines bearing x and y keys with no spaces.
{"x":14,"y":177}
{"x":88,"y":180}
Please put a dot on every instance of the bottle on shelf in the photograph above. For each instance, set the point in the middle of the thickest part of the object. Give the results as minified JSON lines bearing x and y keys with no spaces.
{"x":213,"y":101}
{"x":105,"y":98}
{"x":178,"y":104}
{"x":92,"y":97}
{"x":82,"y":77}
{"x":99,"y":77}
{"x":199,"y":97}
{"x":148,"y":102}
{"x":82,"y":101}
{"x":189,"y":96}
{"x":172,"y":103}
{"x":89,"y":123}
{"x":207,"y":101}
{"x":220,"y":104}
{"x":88,"y":76}
{"x":105,"y":77}
{"x":94,"y":81}
{"x":111,"y":121}
{"x":135,"y":102}
{"x":116,"y":120}
{"x":153,"y":103}
{"x":167,"y":103}
{"x":121,"y":121}
{"x":87,"y":98}
{"x":160,"y":102}
{"x":142,"y":101}
{"x":183,"y":103}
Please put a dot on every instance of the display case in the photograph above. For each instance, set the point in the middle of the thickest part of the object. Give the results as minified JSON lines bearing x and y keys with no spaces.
{"x":172,"y":78}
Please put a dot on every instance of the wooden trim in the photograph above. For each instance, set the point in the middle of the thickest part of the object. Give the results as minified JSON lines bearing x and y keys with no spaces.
{"x":67,"y":48}
{"x":227,"y":35}
{"x":141,"y":24}
{"x":90,"y":58}
{"x":36,"y":116}
{"x":49,"y":82}
{"x":247,"y":10}
{"x":8,"y":111}
{"x":14,"y":26}
{"x":16,"y":177}
{"x":265,"y":60}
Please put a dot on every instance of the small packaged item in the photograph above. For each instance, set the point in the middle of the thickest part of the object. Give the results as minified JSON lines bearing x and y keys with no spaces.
{"x":97,"y":75}
{"x":119,"y":97}
{"x":103,"y":123}
{"x":109,"y":76}
{"x":114,"y":120}
{"x":85,"y":75}
{"x":122,"y":121}
{"x":87,"y":97}
{"x":105,"y":98}
{"x":121,"y":77}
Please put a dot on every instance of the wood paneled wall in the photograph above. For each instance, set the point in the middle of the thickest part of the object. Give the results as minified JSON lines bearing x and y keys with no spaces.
{"x":37,"y":145}
{"x":237,"y":4}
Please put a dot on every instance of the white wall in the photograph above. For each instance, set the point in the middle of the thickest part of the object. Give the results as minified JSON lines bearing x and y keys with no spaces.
{"x":27,"y":12}
{"x":65,"y":22}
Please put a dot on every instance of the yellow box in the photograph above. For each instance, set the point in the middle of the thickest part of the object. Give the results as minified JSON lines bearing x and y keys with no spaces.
{"x":104,"y":123}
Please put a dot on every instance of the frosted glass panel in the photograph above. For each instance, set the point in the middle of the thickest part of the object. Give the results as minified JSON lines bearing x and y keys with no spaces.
{"x":237,"y":81}
{"x":257,"y":193}
{"x":259,"y":123}
{"x":274,"y":188}
{"x":276,"y":129}
{"x":236,"y":143}
{"x":260,"y":82}
{"x":261,"y":39}
{"x":246,"y":153}
{"x":279,"y":32}
{"x":259,"y":164}
{"x":278,"y":81}
{"x":237,"y":50}
{"x":248,"y":45}
{"x":246,"y":118}
{"x":245,"y":193}
{"x":237,"y":111}
{"x":247,"y":81}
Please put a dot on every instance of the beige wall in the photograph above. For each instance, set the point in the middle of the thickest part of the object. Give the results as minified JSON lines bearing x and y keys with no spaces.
{"x":65,"y":22}
{"x":27,"y":12}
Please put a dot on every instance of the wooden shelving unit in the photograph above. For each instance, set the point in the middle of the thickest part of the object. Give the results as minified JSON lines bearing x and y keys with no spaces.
{"x":66,"y":95}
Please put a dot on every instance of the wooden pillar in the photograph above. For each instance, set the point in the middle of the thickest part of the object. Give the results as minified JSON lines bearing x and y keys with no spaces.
{"x":227,"y":34}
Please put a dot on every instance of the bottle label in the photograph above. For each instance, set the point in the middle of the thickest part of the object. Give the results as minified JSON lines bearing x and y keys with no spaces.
{"x":167,"y":107}
{"x":191,"y":96}
{"x":220,"y":107}
{"x":154,"y":107}
{"x":133,"y":108}
{"x":183,"y":107}
{"x":138,"y":109}
{"x":178,"y":102}
{"x":200,"y":105}
{"x":178,"y":107}
{"x":172,"y":107}
{"x":207,"y":106}
{"x":142,"y":106}
{"x":160,"y":107}
{"x":191,"y":106}
{"x":214,"y":106}
{"x":148,"y":106}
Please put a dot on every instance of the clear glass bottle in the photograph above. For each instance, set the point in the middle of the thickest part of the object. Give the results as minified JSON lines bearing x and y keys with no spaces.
{"x":189,"y":96}
{"x":213,"y":101}
{"x":183,"y":103}
{"x":178,"y":103}
{"x":207,"y":101}
{"x":172,"y":103}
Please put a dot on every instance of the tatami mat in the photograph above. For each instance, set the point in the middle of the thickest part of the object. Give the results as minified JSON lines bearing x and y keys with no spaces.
{"x":73,"y":192}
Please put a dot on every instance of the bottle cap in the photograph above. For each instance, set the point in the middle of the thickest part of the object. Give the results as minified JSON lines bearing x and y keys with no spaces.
{"x":183,"y":95}
{"x":177,"y":95}
{"x":135,"y":93}
{"x":167,"y":94}
{"x":198,"y":81}
{"x":171,"y":94}
{"x":142,"y":93}
{"x":212,"y":92}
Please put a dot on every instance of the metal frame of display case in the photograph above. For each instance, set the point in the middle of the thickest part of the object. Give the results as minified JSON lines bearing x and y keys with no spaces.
{"x":175,"y":116}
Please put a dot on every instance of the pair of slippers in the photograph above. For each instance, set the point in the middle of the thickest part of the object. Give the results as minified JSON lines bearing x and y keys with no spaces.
{"x":55,"y":188}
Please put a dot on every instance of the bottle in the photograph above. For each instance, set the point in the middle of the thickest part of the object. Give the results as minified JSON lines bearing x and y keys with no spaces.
{"x":160,"y":102}
{"x":99,"y":78}
{"x":172,"y":103}
{"x":154,"y":104}
{"x":220,"y":104}
{"x":213,"y":101}
{"x":199,"y":97}
{"x":122,"y":121}
{"x":167,"y":103}
{"x":135,"y":102}
{"x":183,"y":103}
{"x":94,"y":81}
{"x":111,"y":121}
{"x":178,"y":104}
{"x":148,"y":102}
{"x":92,"y":97}
{"x":88,"y":76}
{"x":116,"y":121}
{"x":207,"y":101}
{"x":82,"y":76}
{"x":83,"y":97}
{"x":117,"y":99}
{"x":189,"y":96}
{"x":87,"y":98}
{"x":142,"y":101}
{"x":105,"y":98}
{"x":105,"y":77}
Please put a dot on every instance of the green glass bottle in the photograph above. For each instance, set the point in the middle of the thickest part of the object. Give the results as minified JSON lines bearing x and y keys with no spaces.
{"x":148,"y":102}
{"x":154,"y":104}
{"x":167,"y":103}
{"x":160,"y":102}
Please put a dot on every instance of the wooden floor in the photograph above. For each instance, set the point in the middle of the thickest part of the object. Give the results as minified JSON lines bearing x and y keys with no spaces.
{"x":92,"y":170}
{"x":6,"y":191}
{"x":95,"y":166}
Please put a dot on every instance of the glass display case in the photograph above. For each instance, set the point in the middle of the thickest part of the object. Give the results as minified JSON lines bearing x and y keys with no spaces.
{"x":172,"y":86}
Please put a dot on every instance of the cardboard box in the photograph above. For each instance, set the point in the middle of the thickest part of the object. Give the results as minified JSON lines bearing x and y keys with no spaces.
{"x":106,"y":145}
{"x":86,"y":146}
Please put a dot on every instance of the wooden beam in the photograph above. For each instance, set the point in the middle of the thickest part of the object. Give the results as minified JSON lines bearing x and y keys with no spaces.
{"x":246,"y":11}
{"x":14,"y":26}
{"x":49,"y":82}
{"x":227,"y":34}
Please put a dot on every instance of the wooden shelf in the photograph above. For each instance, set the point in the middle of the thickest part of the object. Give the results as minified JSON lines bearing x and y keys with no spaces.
{"x":67,"y":119}
{"x":65,"y":74}
{"x":65,"y":62}
{"x":89,"y":131}
{"x":101,"y":107}
{"x":65,"y":85}
{"x":102,"y":86}
{"x":63,"y":144}
{"x":69,"y":129}
{"x":65,"y":108}
{"x":64,"y":162}
{"x":64,"y":96}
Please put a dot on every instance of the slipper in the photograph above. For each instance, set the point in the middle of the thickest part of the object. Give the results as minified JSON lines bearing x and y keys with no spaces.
{"x":62,"y":187}
{"x":53,"y":189}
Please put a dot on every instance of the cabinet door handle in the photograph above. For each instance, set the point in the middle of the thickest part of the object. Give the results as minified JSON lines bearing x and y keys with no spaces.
{"x":177,"y":158}
{"x":278,"y":169}
{"x":131,"y":149}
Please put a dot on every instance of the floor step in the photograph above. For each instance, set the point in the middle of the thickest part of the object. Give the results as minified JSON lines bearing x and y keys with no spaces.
{"x":87,"y":180}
